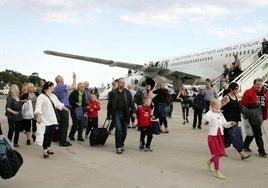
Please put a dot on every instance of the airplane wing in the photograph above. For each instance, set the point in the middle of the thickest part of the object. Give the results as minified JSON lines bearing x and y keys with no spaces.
{"x":150,"y":71}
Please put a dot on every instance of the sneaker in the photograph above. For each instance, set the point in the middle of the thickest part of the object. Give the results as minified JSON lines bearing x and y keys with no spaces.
{"x":187,"y":121}
{"x":263,"y":155}
{"x":210,"y":168}
{"x":16,"y":145}
{"x":123,"y":148}
{"x":219,"y":175}
{"x":28,"y":142}
{"x":183,"y":123}
{"x":119,"y":151}
{"x":148,"y":149}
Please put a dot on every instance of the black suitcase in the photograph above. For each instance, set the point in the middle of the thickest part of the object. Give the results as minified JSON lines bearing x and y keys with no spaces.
{"x":98,"y":136}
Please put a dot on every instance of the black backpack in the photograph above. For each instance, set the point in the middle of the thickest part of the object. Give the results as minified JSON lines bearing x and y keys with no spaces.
{"x":138,"y":97}
{"x":10,"y":160}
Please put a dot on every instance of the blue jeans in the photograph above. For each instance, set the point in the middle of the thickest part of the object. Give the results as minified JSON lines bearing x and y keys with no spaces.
{"x":121,"y":123}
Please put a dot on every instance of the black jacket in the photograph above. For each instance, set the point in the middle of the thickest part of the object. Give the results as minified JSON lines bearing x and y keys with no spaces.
{"x":73,"y":99}
{"x":112,"y":101}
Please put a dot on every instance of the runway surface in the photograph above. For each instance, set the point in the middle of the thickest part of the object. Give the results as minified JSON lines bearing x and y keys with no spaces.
{"x":177,"y":161}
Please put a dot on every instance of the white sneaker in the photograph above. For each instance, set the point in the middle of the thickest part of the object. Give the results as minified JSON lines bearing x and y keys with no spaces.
{"x":148,"y":149}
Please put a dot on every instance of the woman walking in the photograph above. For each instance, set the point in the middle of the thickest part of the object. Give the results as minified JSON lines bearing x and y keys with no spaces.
{"x":45,"y":110}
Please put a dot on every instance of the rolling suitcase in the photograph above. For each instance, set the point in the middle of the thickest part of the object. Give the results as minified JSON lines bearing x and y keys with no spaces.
{"x":98,"y":136}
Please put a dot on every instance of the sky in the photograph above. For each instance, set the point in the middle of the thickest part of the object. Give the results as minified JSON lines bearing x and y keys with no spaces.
{"x":122,"y":30}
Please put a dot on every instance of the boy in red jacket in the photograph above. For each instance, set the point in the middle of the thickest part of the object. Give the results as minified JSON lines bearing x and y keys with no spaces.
{"x":144,"y":115}
{"x":93,"y":108}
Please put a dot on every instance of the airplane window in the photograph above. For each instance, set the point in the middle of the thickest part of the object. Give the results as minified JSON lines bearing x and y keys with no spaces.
{"x":211,"y":57}
{"x":230,"y":54}
{"x":236,"y":53}
{"x":245,"y":52}
{"x":252,"y":51}
{"x":248,"y":51}
{"x":240,"y":53}
{"x":226,"y":55}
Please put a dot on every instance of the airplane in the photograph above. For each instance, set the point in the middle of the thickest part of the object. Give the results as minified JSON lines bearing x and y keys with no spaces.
{"x":186,"y":69}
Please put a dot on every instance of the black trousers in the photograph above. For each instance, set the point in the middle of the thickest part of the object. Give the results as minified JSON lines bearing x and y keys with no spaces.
{"x":258,"y":138}
{"x":146,"y":131}
{"x":163,"y":120}
{"x":48,"y":136}
{"x":63,"y":125}
{"x":13,"y":126}
{"x":197,"y":114}
{"x":92,"y":123}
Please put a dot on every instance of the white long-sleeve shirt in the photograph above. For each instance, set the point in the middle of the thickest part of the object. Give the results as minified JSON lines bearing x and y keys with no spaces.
{"x":45,"y":109}
{"x":216,"y":120}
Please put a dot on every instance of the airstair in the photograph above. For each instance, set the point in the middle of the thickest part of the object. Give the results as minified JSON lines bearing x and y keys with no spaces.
{"x":257,"y":69}
{"x":129,"y":79}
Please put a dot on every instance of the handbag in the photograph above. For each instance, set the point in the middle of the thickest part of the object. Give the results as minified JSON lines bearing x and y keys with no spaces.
{"x":41,"y":129}
{"x":10,"y":160}
{"x":79,"y":113}
{"x":156,"y":127}
{"x":27,"y":110}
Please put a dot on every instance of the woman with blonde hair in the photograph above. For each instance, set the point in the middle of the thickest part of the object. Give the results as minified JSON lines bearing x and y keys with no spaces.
{"x":30,"y":94}
{"x":77,"y":99}
{"x":14,"y":113}
{"x":162,"y":102}
{"x":185,"y":103}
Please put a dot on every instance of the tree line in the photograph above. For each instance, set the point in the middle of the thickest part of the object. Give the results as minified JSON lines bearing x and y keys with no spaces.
{"x":9,"y":77}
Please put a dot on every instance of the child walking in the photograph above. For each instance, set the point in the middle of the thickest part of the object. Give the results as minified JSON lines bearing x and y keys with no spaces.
{"x":93,"y":108}
{"x":144,"y":115}
{"x":216,"y":123}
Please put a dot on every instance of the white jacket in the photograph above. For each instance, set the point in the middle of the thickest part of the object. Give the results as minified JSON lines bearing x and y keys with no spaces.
{"x":45,"y":109}
{"x":216,"y":120}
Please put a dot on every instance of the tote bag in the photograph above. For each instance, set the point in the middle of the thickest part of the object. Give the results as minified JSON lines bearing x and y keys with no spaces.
{"x":27,"y":110}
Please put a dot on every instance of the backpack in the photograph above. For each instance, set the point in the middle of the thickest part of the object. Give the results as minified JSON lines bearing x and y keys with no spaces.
{"x":198,"y":103}
{"x":255,"y":116}
{"x":138,"y":97}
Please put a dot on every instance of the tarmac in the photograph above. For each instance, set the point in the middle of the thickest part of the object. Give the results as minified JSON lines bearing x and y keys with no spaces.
{"x":178,"y":160}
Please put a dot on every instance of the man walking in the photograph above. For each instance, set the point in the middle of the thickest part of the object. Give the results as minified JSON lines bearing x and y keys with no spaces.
{"x":120,"y":107}
{"x":254,"y":98}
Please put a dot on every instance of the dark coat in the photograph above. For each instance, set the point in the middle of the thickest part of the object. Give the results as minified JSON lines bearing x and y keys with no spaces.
{"x":112,"y":102}
{"x":73,"y":99}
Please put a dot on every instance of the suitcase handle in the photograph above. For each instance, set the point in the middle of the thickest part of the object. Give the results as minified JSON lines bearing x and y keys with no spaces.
{"x":108,"y":125}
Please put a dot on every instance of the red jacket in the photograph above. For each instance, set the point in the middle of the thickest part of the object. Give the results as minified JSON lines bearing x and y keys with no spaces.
{"x":249,"y":98}
{"x":93,"y":107}
{"x":144,"y":115}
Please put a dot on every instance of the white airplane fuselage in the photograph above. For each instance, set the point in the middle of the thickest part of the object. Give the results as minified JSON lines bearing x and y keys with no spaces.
{"x":209,"y":63}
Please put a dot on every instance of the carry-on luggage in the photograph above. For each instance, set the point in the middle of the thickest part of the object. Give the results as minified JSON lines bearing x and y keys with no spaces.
{"x":98,"y":136}
{"x":156,"y":127}
{"x":10,"y":160}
